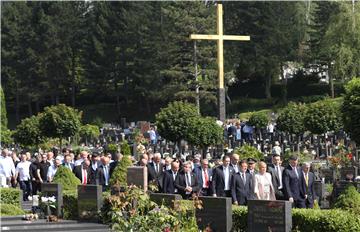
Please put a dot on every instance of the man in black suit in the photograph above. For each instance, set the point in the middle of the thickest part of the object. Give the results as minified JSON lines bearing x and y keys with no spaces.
{"x":222,"y":176}
{"x":95,"y":163}
{"x":82,"y":172}
{"x":241,"y":185}
{"x":170,"y":177}
{"x":204,"y":175}
{"x":292,"y":183}
{"x":234,"y":162}
{"x":307,"y":185}
{"x":155,"y":171}
{"x":67,"y":162}
{"x":103,"y":173}
{"x":113,"y":165}
{"x":276,"y":171}
{"x":186,"y":182}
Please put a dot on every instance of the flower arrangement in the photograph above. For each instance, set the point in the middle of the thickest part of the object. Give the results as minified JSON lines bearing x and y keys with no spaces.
{"x":48,"y":204}
{"x":342,"y":157}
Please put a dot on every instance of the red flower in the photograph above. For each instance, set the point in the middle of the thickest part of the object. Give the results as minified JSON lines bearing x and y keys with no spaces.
{"x":350,"y":156}
{"x":167,"y":229}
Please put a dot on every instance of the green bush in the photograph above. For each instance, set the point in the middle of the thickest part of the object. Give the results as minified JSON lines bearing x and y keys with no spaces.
{"x":308,"y":220}
{"x":10,"y":210}
{"x":28,"y":132}
{"x":259,"y":119}
{"x":248,"y":151}
{"x":10,"y":196}
{"x":349,"y":200}
{"x":70,"y":210}
{"x":119,"y":176}
{"x":125,"y":148}
{"x":291,"y":119}
{"x":66,"y":178}
{"x":112,"y":148}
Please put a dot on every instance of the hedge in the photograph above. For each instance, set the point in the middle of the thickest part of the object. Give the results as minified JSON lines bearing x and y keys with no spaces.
{"x":70,"y":210}
{"x":10,"y":210}
{"x":10,"y":196}
{"x":308,"y":220}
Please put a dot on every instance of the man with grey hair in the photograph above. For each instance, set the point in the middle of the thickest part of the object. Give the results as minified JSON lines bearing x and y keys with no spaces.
{"x":307,"y":185}
{"x":7,"y":167}
{"x":155,"y":171}
{"x":186,"y":182}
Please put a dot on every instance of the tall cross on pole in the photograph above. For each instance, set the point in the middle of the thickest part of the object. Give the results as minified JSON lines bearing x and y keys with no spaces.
{"x":220,"y":37}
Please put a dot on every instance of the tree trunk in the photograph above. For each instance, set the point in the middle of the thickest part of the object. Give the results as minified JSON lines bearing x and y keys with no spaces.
{"x":37,"y":106}
{"x":73,"y":76}
{"x":196,"y":80}
{"x":268,"y":86}
{"x":17,"y":115}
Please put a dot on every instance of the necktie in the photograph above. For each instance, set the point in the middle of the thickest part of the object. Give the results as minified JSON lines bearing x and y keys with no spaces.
{"x":84,"y":177}
{"x":188,"y":179}
{"x":106,"y":175}
{"x":306,"y":180}
{"x":243,"y":177}
{"x":156,"y":168}
{"x":206,"y":179}
{"x":297,"y":174}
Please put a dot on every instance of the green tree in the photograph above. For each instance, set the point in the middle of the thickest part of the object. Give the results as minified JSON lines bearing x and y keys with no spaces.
{"x":323,"y":116}
{"x":89,"y":132}
{"x":174,"y":120}
{"x":60,"y":122}
{"x":28,"y":133}
{"x":248,"y":151}
{"x":204,"y":132}
{"x":119,"y":176}
{"x":66,"y":178}
{"x":5,"y":133}
{"x":259,"y":119}
{"x":291,"y":119}
{"x":351,"y":109}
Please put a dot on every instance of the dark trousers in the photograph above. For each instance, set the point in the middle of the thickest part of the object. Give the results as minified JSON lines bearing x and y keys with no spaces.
{"x":26,"y":187}
{"x":36,"y":187}
{"x":227,"y":193}
{"x":205,"y":192}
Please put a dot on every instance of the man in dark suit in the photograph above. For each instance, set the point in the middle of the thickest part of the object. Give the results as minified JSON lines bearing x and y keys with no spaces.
{"x":221,"y":180}
{"x":186,"y":182}
{"x":292,"y":183}
{"x":95,"y":163}
{"x":204,"y":175}
{"x":241,"y":185}
{"x":276,"y":171}
{"x":155,"y":171}
{"x":103,"y":173}
{"x":170,"y":177}
{"x":82,"y":172}
{"x":113,"y":165}
{"x":67,"y":162}
{"x":307,"y":185}
{"x":234,"y":162}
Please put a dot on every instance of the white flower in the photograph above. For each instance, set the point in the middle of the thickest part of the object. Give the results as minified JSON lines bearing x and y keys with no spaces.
{"x":52,"y":199}
{"x":44,"y":199}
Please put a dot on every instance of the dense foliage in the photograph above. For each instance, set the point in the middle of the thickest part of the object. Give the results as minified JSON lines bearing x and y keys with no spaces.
{"x":89,"y":132}
{"x":204,"y":132}
{"x":119,"y":176}
{"x":174,"y":121}
{"x":349,"y":200}
{"x":66,"y":178}
{"x":3,"y":113}
{"x":259,"y":119}
{"x":28,"y":132}
{"x":291,"y":118}
{"x":323,"y":116}
{"x":11,"y":210}
{"x":351,"y":109}
{"x":60,"y":121}
{"x":248,"y":151}
{"x":10,"y":196}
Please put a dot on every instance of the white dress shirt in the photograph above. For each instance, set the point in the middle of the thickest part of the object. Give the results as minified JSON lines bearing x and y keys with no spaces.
{"x":23,"y":169}
{"x":226,"y":178}
{"x":51,"y":172}
{"x":7,"y":167}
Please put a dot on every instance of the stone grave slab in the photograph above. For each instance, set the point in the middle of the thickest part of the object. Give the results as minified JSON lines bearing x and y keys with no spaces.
{"x":138,"y":176}
{"x":165,"y":199}
{"x":328,"y":174}
{"x":216,"y":213}
{"x":89,"y":202}
{"x":50,"y":190}
{"x":269,"y":216}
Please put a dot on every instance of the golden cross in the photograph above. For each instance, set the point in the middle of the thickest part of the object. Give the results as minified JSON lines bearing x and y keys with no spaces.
{"x":220,"y":37}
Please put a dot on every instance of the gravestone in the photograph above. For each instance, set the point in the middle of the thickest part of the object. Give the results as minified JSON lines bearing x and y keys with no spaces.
{"x":165,"y":199}
{"x":138,"y":176}
{"x":328,"y":174}
{"x":216,"y":214}
{"x":347,"y":173}
{"x":89,"y":202}
{"x":269,"y":216}
{"x":319,"y":189}
{"x":50,"y":190}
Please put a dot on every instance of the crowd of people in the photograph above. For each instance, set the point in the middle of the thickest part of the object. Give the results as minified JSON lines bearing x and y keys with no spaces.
{"x":231,"y":177}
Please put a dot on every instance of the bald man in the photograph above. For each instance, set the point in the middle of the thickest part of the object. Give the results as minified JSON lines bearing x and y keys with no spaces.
{"x":234,"y":162}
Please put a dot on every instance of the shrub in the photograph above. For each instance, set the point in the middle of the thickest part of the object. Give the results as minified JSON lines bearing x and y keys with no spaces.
{"x":112,"y":148}
{"x":10,"y":210}
{"x":291,"y":119}
{"x":89,"y":132}
{"x":259,"y":119}
{"x":28,"y":133}
{"x":10,"y":196}
{"x":350,"y":109}
{"x":70,"y":210}
{"x":349,"y":200}
{"x":119,"y":176}
{"x":125,"y":148}
{"x":248,"y":151}
{"x":66,"y":178}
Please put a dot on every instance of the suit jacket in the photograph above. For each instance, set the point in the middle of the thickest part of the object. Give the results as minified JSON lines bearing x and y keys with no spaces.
{"x":275,"y":178}
{"x":218,"y":180}
{"x":180,"y":184}
{"x":199,"y":177}
{"x":241,"y":191}
{"x":113,"y":166}
{"x":100,"y":176}
{"x":292,"y":184}
{"x":71,"y":165}
{"x":156,"y":177}
{"x":308,"y":190}
{"x":78,"y":173}
{"x":169,"y":182}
